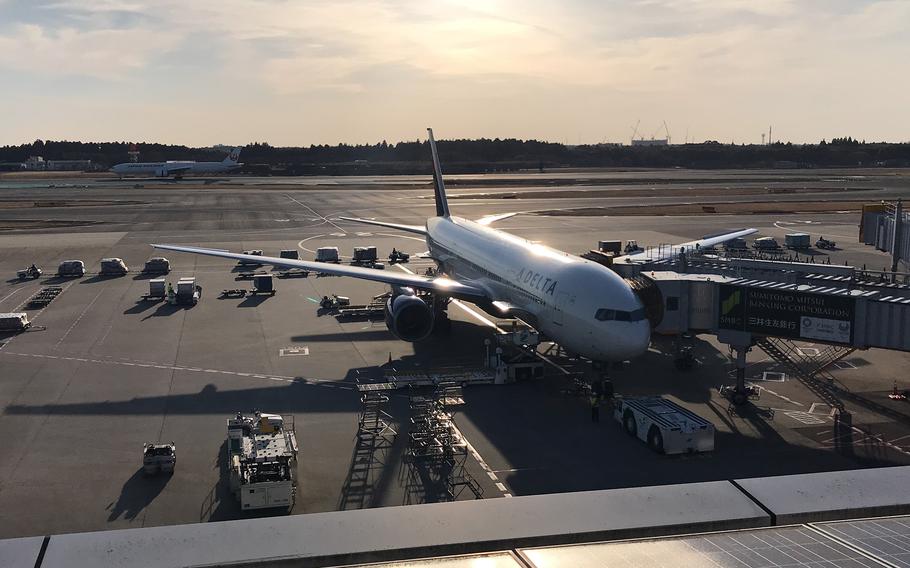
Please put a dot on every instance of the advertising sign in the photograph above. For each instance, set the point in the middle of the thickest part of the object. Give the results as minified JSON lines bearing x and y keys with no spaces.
{"x":785,"y":313}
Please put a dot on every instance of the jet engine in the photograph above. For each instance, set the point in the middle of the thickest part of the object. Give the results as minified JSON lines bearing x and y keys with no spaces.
{"x":408,"y":317}
{"x":161,"y":172}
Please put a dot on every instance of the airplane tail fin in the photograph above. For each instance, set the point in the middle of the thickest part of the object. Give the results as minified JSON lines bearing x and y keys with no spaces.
{"x":442,"y":205}
{"x":233,"y":157}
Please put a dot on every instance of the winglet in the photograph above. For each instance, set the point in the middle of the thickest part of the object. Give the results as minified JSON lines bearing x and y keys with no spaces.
{"x":442,"y":205}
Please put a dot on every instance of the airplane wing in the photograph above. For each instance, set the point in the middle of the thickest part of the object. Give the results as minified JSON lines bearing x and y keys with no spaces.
{"x":440,"y":285}
{"x":670,"y":251}
{"x":407,"y":228}
{"x":178,"y":169}
{"x":490,"y":219}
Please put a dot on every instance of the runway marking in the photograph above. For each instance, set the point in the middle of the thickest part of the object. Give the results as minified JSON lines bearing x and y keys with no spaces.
{"x":10,"y":294}
{"x":280,"y":378}
{"x":78,"y":319}
{"x":782,"y":397}
{"x":316,"y":213}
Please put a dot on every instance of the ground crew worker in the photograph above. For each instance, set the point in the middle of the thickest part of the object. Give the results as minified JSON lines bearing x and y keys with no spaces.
{"x":595,"y":408}
{"x":170,"y":293}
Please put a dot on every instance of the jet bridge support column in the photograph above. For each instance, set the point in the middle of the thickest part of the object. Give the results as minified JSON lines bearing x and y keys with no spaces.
{"x":740,"y":342}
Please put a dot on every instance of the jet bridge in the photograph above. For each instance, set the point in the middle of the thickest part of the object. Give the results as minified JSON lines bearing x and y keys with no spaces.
{"x":772,"y":305}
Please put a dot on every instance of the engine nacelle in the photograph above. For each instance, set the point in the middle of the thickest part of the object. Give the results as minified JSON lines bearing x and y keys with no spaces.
{"x":408,"y":317}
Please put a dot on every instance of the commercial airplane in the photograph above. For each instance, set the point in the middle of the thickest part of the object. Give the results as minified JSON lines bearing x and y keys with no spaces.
{"x":585,"y":307}
{"x":178,"y":168}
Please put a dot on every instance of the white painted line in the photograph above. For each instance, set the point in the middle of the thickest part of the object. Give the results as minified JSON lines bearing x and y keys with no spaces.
{"x":782,"y":397}
{"x":501,"y":487}
{"x":78,"y":319}
{"x":492,"y":475}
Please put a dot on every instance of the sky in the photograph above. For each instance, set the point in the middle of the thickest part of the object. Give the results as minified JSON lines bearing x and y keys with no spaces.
{"x":300,"y":72}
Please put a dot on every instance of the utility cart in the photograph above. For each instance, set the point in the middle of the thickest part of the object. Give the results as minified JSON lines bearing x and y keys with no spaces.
{"x":262,"y":284}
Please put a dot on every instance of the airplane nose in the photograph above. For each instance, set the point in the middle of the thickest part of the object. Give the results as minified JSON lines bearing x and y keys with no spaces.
{"x":632,"y":342}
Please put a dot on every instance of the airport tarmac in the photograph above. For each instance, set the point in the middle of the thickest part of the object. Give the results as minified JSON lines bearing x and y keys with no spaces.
{"x":103,"y":372}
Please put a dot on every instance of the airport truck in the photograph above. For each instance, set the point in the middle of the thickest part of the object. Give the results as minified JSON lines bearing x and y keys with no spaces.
{"x":665,"y":426}
{"x":262,"y":460}
{"x":15,"y":321}
{"x":766,"y":243}
{"x":158,"y":458}
{"x":113,"y":267}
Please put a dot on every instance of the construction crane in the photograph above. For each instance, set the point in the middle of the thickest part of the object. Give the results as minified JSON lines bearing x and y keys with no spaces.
{"x":635,"y":129}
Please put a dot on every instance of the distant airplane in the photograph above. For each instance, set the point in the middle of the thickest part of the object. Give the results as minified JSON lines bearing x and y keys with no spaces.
{"x":178,"y":168}
{"x":583,"y":306}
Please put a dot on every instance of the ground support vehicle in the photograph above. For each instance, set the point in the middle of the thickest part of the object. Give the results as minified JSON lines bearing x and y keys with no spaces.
{"x":665,"y":426}
{"x":158,"y":458}
{"x":71,"y":269}
{"x":31,"y":272}
{"x":262,"y":460}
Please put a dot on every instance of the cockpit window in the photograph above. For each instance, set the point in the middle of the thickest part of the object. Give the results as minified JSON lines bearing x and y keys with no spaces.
{"x":606,"y":314}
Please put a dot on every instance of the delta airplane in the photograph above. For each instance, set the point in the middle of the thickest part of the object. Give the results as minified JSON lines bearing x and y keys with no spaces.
{"x":178,"y":168}
{"x":583,"y":306}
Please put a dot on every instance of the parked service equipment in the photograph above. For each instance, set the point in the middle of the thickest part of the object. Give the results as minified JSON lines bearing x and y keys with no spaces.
{"x":44,"y":296}
{"x":246,"y":262}
{"x":187,"y":292}
{"x":327,"y":254}
{"x":824,"y":243}
{"x":365,"y":255}
{"x":766,"y":243}
{"x":30,"y":272}
{"x":233,"y":293}
{"x":397,"y":256}
{"x":292,"y":273}
{"x":291,"y":253}
{"x":157,"y":265}
{"x":665,"y":426}
{"x":113,"y":267}
{"x":262,"y":284}
{"x":614,"y":247}
{"x":739,"y":243}
{"x":797,"y":241}
{"x":71,"y":269}
{"x":334,"y":302}
{"x":157,"y":289}
{"x":158,"y":458}
{"x":15,"y":321}
{"x":262,"y":460}
{"x":632,"y":246}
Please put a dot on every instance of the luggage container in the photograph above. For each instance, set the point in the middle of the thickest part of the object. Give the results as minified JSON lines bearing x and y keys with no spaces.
{"x":187,"y":295}
{"x":365,"y":255}
{"x":766,"y":243}
{"x":327,"y":254}
{"x":14,"y":321}
{"x":665,"y":426}
{"x":113,"y":267}
{"x":157,"y":265}
{"x":797,"y":241}
{"x":246,"y":262}
{"x":293,"y":254}
{"x":157,"y":288}
{"x":71,"y":269}
{"x":262,"y":284}
{"x":610,"y":246}
{"x":739,"y":243}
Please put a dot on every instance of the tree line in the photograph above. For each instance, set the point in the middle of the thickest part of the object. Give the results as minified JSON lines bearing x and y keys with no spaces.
{"x":482,"y":155}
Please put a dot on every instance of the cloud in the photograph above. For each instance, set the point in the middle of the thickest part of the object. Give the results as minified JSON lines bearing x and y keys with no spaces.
{"x":726,"y":64}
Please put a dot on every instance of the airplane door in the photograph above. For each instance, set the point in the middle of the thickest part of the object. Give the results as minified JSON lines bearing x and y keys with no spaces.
{"x":562,"y":300}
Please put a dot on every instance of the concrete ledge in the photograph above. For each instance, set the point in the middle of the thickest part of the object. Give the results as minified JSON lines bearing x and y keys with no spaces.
{"x":393,"y":533}
{"x":833,"y":495}
{"x":20,"y":552}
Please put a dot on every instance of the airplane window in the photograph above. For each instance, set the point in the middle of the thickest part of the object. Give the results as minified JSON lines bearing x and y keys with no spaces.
{"x":605,"y":314}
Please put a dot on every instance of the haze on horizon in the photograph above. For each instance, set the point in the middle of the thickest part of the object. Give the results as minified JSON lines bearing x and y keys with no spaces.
{"x":329,"y":71}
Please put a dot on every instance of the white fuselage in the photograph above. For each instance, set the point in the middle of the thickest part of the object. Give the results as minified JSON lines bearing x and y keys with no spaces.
{"x":581,"y":305}
{"x":172,"y":168}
